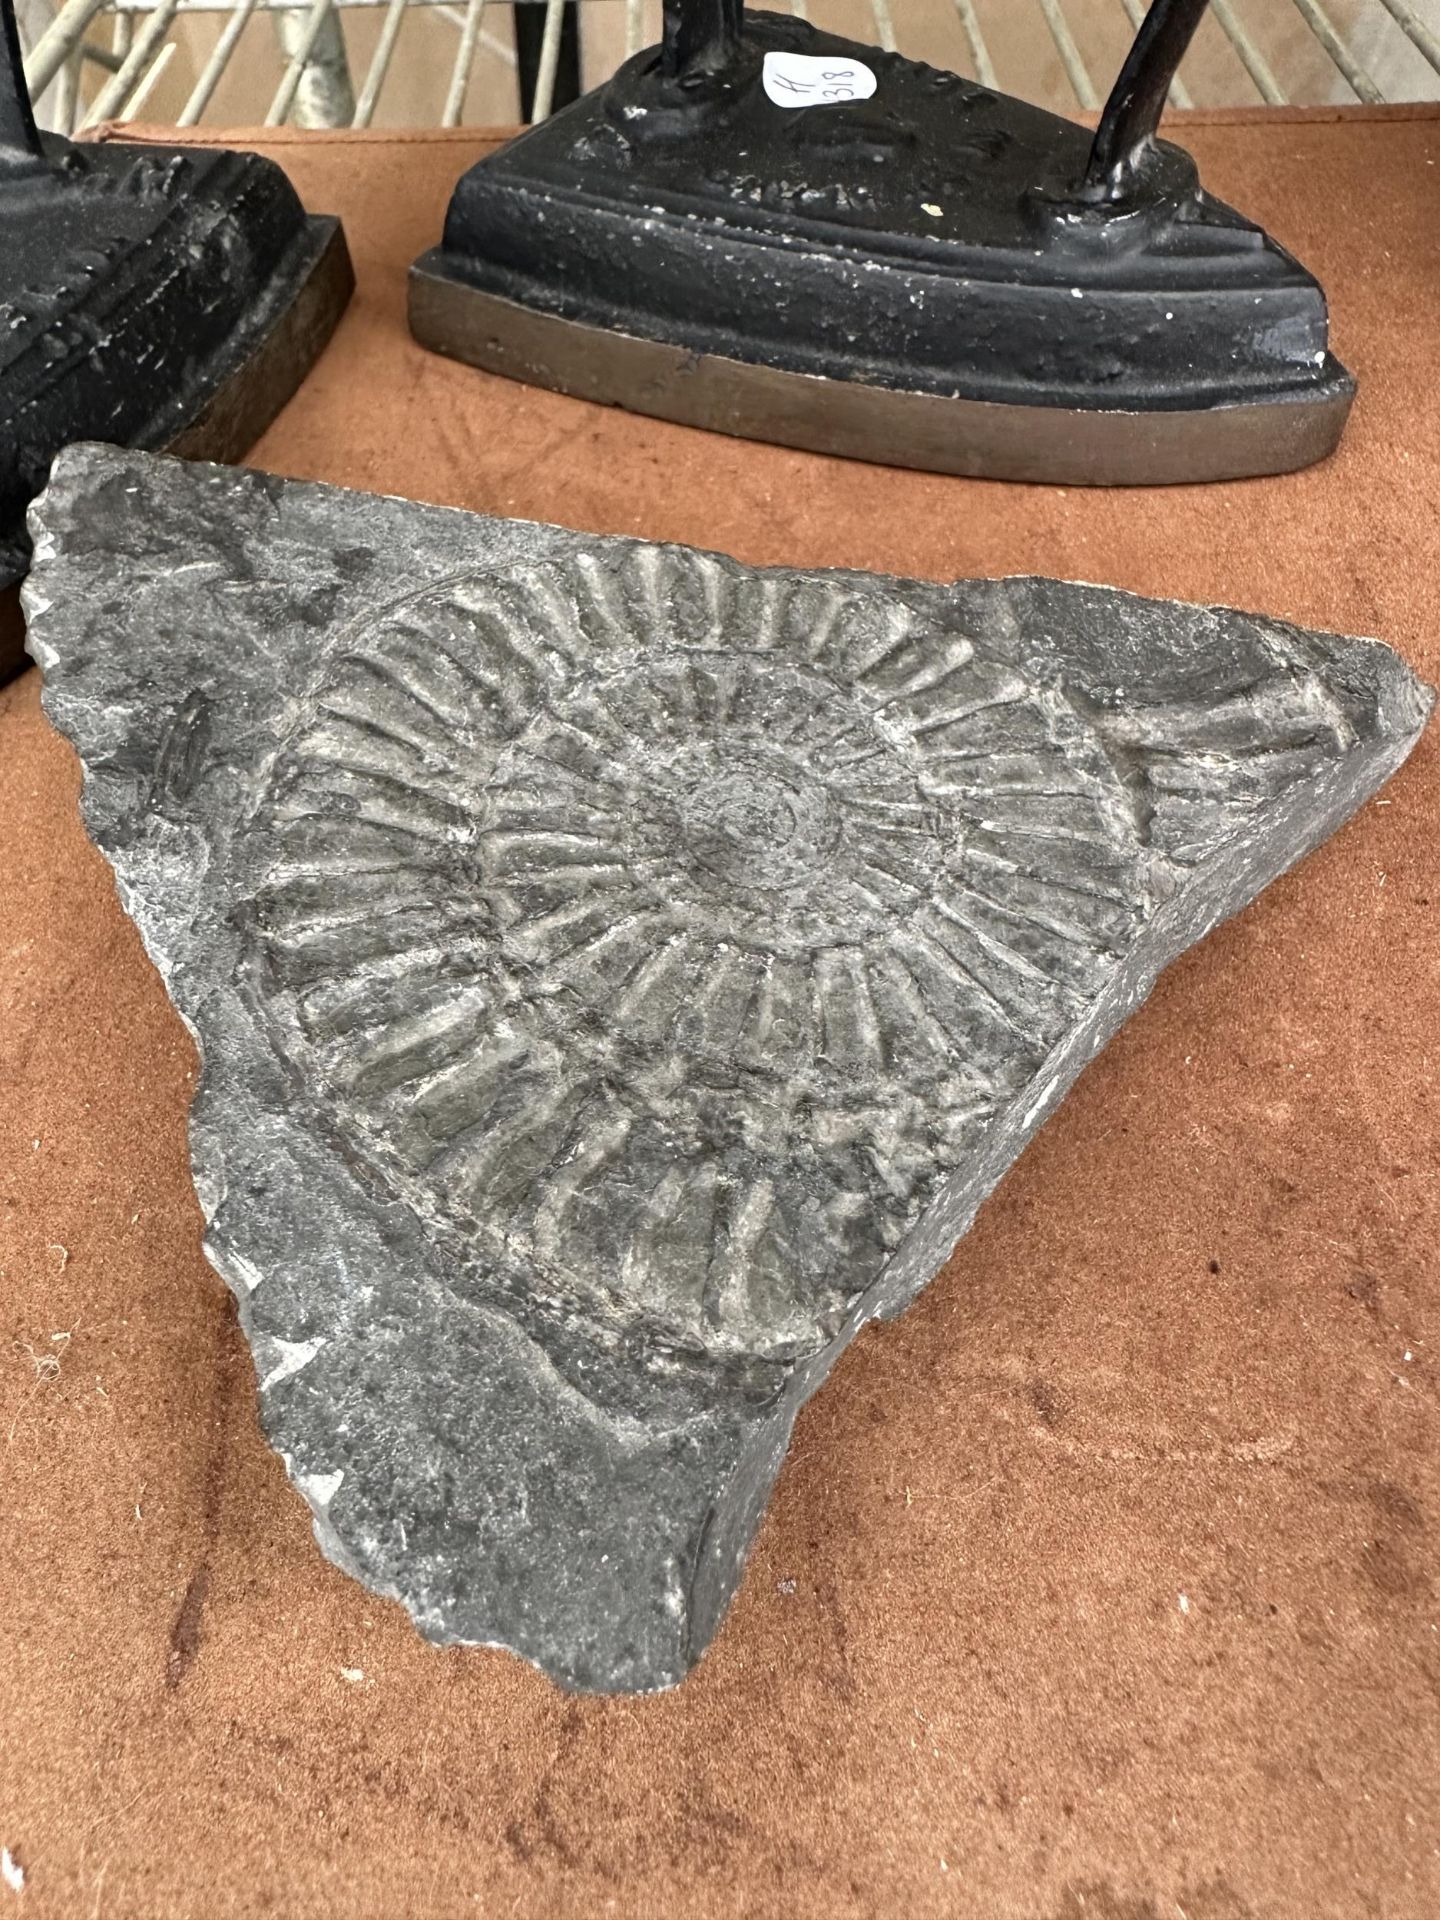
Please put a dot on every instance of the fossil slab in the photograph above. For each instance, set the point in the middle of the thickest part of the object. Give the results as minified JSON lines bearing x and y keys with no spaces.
{"x":619,"y":974}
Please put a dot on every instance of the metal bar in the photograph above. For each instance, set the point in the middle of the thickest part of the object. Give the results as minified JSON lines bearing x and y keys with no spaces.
{"x":67,"y":93}
{"x":1070,"y":59}
{"x":380,"y":64}
{"x":128,"y":9}
{"x":215,"y":66}
{"x":1125,"y":137}
{"x":1405,"y":17}
{"x":1323,"y":28}
{"x":975,"y":39}
{"x":119,"y":87}
{"x":325,"y":96}
{"x":64,"y":41}
{"x":131,"y":108}
{"x":1251,"y":58}
{"x":464,"y":61}
{"x":549,"y":60}
{"x":1179,"y":92}
{"x":57,"y":43}
{"x":285,"y":93}
{"x":697,"y":37}
{"x":884,"y":24}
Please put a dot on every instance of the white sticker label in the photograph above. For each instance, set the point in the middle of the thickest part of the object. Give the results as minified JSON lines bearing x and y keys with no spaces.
{"x":815,"y":79}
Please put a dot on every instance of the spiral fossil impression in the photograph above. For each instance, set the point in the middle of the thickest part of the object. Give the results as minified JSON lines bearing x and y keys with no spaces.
{"x":618,"y":974}
{"x":680,"y":924}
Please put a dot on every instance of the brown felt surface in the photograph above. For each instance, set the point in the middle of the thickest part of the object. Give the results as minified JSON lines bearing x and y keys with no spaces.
{"x":1100,"y":1587}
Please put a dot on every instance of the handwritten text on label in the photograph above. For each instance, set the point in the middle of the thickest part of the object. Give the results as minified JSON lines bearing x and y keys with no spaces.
{"x":815,"y":80}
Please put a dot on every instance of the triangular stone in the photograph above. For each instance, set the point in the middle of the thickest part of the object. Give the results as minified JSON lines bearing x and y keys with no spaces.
{"x":619,"y":974}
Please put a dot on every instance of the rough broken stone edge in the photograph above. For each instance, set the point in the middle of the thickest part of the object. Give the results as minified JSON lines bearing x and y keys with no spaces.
{"x":1175,"y":926}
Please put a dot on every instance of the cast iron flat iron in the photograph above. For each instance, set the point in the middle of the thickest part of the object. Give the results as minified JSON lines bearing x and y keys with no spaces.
{"x":153,"y":298}
{"x":911,"y":268}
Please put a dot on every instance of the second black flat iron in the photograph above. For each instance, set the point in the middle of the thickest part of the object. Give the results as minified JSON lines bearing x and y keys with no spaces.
{"x":763,"y":229}
{"x":154,"y":297}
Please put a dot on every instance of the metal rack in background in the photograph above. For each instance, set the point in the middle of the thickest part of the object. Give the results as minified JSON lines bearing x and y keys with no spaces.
{"x":130,"y":44}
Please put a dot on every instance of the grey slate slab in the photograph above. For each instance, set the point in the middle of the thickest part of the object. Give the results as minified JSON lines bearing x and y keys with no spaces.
{"x":619,"y":974}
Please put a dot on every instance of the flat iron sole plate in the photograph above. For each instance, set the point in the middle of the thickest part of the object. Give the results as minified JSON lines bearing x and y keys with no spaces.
{"x":238,"y":410}
{"x":981,"y":439}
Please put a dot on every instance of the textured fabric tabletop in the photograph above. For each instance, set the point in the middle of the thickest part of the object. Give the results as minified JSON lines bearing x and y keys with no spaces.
{"x":1102,"y":1586}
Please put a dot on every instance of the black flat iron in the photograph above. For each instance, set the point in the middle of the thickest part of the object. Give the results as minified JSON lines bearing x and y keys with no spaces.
{"x":764,"y":229}
{"x":154,"y":298}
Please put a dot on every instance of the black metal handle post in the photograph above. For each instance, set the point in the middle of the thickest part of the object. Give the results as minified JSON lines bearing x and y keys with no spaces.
{"x":701,"y":36}
{"x":1126,"y":132}
{"x":19,"y":139}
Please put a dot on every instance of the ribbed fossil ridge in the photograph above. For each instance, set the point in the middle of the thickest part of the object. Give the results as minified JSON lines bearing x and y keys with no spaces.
{"x":620,"y":973}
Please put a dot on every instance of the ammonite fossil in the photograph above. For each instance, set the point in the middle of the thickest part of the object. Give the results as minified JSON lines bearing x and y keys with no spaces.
{"x":624,"y":910}
{"x":619,"y":974}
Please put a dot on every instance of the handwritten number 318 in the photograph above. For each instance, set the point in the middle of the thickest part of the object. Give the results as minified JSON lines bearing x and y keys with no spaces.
{"x":842,"y":85}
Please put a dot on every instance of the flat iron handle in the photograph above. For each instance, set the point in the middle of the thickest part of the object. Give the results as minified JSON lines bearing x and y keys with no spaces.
{"x":700,"y":36}
{"x":1126,"y":134}
{"x":19,"y":139}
